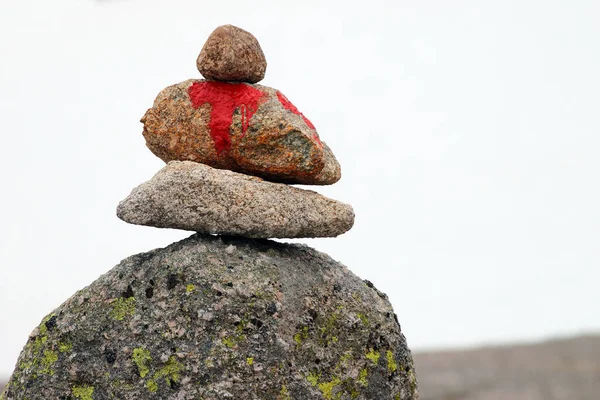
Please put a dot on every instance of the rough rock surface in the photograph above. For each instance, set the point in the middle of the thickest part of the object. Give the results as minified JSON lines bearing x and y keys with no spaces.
{"x":195,"y":197}
{"x":232,"y":54}
{"x":246,"y":128}
{"x":220,"y":318}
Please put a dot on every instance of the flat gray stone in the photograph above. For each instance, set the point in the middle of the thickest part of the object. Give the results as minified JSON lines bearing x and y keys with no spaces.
{"x":220,"y":318}
{"x":196,"y":197}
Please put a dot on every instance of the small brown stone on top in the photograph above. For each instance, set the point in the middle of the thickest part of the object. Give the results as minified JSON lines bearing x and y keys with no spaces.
{"x":232,"y":54}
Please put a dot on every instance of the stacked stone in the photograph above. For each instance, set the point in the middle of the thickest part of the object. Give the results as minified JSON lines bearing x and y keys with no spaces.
{"x":225,"y":317}
{"x":232,"y":148}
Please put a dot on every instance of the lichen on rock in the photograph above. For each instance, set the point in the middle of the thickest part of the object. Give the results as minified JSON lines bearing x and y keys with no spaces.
{"x":216,"y":318}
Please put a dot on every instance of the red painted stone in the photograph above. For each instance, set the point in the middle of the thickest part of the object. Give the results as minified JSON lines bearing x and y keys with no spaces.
{"x":224,"y":99}
{"x":290,"y":107}
{"x":246,"y":128}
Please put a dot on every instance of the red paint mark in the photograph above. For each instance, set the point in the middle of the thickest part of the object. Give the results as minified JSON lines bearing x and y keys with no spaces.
{"x":289,"y":106}
{"x":224,"y":99}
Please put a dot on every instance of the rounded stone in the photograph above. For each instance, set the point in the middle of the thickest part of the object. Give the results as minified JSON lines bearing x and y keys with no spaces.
{"x":220,"y":318}
{"x":232,"y":54}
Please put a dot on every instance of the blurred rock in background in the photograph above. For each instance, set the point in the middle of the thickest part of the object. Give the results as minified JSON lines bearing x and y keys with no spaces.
{"x":566,"y":369}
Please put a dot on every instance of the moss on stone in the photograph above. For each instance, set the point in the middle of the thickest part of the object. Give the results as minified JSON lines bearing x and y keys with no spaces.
{"x":23,"y":365}
{"x":43,"y":328}
{"x":412,"y":381}
{"x":140,"y":357}
{"x":284,"y":394}
{"x":313,"y":378}
{"x":363,"y":318}
{"x":49,"y":358}
{"x":65,"y":347}
{"x":347,"y":356}
{"x":391,"y":363}
{"x":38,"y":343}
{"x":327,"y":330}
{"x":327,"y":388}
{"x":373,"y":356}
{"x":362,"y":377}
{"x":152,"y":386}
{"x":170,"y":372}
{"x":233,"y":340}
{"x":118,"y":384}
{"x":301,"y":336}
{"x":40,"y":358}
{"x":83,"y":392}
{"x":123,"y":307}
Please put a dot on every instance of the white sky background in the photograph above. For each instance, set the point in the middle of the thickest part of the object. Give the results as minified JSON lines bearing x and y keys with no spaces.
{"x":468,"y":134}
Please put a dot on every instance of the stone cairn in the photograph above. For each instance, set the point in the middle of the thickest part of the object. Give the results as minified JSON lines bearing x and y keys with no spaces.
{"x":231,"y":148}
{"x":225,"y":314}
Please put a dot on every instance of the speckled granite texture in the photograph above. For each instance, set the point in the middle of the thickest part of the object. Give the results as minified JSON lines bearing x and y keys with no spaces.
{"x":217,"y":318}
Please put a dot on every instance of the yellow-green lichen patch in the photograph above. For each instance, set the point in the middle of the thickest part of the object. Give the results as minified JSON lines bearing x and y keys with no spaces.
{"x":313,"y":378}
{"x":190,"y":288}
{"x":83,"y":392}
{"x":119,"y":384}
{"x":349,"y":388}
{"x":301,"y":336}
{"x":327,"y":388}
{"x":3,"y":394}
{"x":243,"y":324}
{"x":43,"y":328}
{"x":232,"y":341}
{"x":38,"y":342}
{"x":373,"y":356}
{"x":23,"y":365}
{"x":412,"y":380}
{"x":38,"y":356}
{"x":140,"y":358}
{"x":363,"y":318}
{"x":41,"y":338}
{"x":170,"y":372}
{"x":65,"y":347}
{"x":391,"y":363}
{"x":284,"y":394}
{"x":250,"y":361}
{"x":152,"y":386}
{"x":49,"y":358}
{"x":346,"y":357}
{"x":123,"y":307}
{"x":362,"y":377}
{"x":327,"y":331}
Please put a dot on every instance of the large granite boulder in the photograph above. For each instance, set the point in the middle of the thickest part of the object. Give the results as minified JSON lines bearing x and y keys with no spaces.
{"x":220,"y":318}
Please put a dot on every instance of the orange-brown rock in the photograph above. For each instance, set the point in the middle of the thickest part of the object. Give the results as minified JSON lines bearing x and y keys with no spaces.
{"x":246,"y":128}
{"x":232,"y":54}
